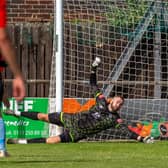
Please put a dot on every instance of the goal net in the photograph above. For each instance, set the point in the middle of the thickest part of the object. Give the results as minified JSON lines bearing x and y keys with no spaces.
{"x":131,"y":38}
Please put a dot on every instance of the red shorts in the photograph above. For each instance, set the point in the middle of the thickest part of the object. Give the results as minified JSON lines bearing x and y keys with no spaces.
{"x":2,"y":13}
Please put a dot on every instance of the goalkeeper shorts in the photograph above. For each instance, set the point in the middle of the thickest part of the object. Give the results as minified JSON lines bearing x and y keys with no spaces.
{"x":55,"y":118}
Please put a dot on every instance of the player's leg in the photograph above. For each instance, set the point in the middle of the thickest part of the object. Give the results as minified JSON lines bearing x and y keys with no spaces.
{"x":54,"y":118}
{"x":2,"y":125}
{"x":31,"y":115}
{"x":50,"y":140}
{"x":35,"y":116}
{"x":3,"y":152}
{"x":2,"y":138}
{"x":64,"y":137}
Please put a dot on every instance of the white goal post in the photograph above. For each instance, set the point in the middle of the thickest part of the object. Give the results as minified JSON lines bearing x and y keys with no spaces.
{"x":56,"y":82}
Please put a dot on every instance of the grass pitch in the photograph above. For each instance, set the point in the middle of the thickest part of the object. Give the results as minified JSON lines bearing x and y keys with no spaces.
{"x":87,"y":155}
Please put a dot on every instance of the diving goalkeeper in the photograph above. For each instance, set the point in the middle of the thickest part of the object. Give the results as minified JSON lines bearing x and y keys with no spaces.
{"x":103,"y":115}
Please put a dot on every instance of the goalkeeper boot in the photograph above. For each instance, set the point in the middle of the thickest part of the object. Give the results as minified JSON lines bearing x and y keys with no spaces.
{"x":148,"y":140}
{"x":12,"y":112}
{"x":12,"y":141}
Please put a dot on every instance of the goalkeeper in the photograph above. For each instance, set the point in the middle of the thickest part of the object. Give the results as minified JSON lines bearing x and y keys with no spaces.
{"x":101,"y":116}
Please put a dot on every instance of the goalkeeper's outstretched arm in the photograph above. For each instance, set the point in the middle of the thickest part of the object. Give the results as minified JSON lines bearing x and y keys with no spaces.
{"x":132,"y":135}
{"x":93,"y":78}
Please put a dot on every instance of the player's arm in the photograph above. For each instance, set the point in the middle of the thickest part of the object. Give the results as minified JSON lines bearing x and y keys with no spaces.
{"x":8,"y":52}
{"x":93,"y":78}
{"x":126,"y":132}
{"x":9,"y":55}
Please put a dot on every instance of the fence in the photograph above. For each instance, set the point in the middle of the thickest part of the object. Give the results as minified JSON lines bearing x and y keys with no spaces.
{"x":33,"y":44}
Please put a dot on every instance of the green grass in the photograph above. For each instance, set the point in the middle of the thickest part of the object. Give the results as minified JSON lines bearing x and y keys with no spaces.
{"x":87,"y":155}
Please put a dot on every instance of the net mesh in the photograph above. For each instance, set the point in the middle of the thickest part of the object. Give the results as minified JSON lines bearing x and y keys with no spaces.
{"x":131,"y":38}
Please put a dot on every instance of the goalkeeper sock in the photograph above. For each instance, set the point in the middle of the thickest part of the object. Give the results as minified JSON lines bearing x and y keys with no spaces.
{"x":37,"y":140}
{"x":2,"y":135}
{"x":31,"y":115}
{"x":26,"y":141}
{"x":17,"y":113}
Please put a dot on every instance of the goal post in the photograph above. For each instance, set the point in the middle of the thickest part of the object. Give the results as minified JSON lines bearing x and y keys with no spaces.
{"x":56,"y":82}
{"x":131,"y":38}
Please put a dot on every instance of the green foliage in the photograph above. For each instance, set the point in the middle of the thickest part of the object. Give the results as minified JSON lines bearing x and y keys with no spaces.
{"x":127,"y":14}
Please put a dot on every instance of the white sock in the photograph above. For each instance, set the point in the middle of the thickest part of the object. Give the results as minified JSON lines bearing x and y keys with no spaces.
{"x":17,"y":113}
{"x":22,"y":141}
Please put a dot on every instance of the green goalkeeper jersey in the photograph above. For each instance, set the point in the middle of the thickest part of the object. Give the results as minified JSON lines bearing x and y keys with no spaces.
{"x":89,"y":122}
{"x":95,"y":120}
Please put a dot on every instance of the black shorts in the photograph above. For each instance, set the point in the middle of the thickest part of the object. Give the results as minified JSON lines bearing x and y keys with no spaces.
{"x":66,"y":136}
{"x":55,"y":118}
{"x":70,"y":132}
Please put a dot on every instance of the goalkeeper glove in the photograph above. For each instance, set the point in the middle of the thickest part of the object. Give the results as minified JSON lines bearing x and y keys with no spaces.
{"x":147,"y":139}
{"x":96,"y":62}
